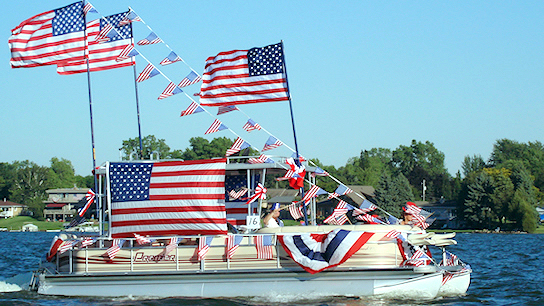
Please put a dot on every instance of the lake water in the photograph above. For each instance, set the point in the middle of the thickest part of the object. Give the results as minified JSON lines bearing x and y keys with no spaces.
{"x":507,"y":271}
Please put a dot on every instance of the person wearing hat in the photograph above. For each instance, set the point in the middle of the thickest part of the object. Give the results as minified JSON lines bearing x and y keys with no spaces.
{"x":408,"y":211}
{"x":273,"y":218}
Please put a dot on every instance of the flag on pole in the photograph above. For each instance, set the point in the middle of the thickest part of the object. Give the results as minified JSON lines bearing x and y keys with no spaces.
{"x":171,"y":58}
{"x":190,"y":79}
{"x":172,"y":245}
{"x":103,"y":55}
{"x":295,"y":210}
{"x":265,"y":246}
{"x":170,"y":90}
{"x":216,"y":127}
{"x":148,"y":72}
{"x":49,"y":38}
{"x":271,"y":143}
{"x":90,"y":200}
{"x":251,"y":126}
{"x":204,"y":246}
{"x":226,"y":109}
{"x":192,"y":109}
{"x":245,"y":76}
{"x":151,"y":39}
{"x":233,"y":242}
{"x":87,"y":241}
{"x":115,"y":248}
{"x":237,"y":146}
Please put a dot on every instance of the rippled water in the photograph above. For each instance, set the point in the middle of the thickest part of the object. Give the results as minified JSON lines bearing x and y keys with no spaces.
{"x":507,"y":271}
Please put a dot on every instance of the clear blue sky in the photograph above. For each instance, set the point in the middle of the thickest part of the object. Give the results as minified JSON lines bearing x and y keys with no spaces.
{"x":362,"y":74}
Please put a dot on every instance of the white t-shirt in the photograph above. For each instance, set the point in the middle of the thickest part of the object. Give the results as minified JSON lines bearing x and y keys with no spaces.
{"x":272,"y":223}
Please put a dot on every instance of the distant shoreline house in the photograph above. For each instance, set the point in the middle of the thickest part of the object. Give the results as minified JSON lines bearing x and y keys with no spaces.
{"x":61,"y":202}
{"x":10,"y":209}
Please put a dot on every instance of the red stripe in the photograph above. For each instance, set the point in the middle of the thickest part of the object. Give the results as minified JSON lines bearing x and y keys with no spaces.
{"x":226,"y":68}
{"x":171,"y":197}
{"x":231,"y":211}
{"x":244,"y":101}
{"x":171,"y":233}
{"x":186,"y":184}
{"x":189,"y":172}
{"x":216,"y":221}
{"x":211,"y":60}
{"x":168,"y":209}
{"x":245,"y":84}
{"x":245,"y":93}
{"x":190,"y":162}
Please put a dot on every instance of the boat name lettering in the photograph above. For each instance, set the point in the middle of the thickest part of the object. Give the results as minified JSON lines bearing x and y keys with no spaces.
{"x":141,"y":257}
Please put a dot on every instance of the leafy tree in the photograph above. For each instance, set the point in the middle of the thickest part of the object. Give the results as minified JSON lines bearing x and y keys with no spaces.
{"x":62,"y":174}
{"x":392,"y":193}
{"x":476,"y":210}
{"x":7,"y":173}
{"x":201,"y":148}
{"x":29,"y":186}
{"x":150,"y":145}
{"x":473,"y":163}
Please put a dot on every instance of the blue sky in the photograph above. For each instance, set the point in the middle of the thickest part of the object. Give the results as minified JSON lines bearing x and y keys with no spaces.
{"x":362,"y":74}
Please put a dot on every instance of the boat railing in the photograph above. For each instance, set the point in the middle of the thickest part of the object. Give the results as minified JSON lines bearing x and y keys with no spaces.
{"x":91,"y":259}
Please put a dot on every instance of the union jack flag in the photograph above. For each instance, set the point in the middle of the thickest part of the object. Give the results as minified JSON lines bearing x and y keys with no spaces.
{"x":152,"y":38}
{"x":192,"y":109}
{"x":233,"y":241}
{"x":190,"y":79}
{"x":148,"y":72}
{"x":170,"y":90}
{"x":272,"y":143}
{"x":265,"y":246}
{"x":171,"y":58}
{"x":251,"y":126}
{"x":204,"y":246}
{"x":237,"y":146}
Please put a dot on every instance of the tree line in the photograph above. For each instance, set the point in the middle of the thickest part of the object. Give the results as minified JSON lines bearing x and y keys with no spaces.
{"x":500,"y":191}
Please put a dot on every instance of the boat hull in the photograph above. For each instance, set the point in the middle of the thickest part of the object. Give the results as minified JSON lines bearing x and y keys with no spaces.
{"x":390,"y":282}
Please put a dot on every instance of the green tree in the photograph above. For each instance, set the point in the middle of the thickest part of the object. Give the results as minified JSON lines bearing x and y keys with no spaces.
{"x":151,"y":145}
{"x":62,"y":174}
{"x":392,"y":193}
{"x":201,"y":148}
{"x":29,"y":186}
{"x":477,"y":208}
{"x":473,"y":163}
{"x":7,"y":174}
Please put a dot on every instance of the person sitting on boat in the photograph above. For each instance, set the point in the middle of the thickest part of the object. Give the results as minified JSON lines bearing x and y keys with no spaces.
{"x":407,"y":214}
{"x":273,"y":218}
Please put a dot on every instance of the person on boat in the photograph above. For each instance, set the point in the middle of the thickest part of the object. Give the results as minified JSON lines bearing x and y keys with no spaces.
{"x":273,"y":218}
{"x":407,"y":213}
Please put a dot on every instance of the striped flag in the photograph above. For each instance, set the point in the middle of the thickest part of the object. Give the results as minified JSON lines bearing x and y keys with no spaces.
{"x":105,"y":55}
{"x":190,"y":79}
{"x":129,"y":17}
{"x":341,"y":190}
{"x":204,"y":246}
{"x":171,"y":58}
{"x":260,"y":193}
{"x":106,"y":32}
{"x":148,"y":72}
{"x":49,"y":38}
{"x":170,"y":90}
{"x":446,"y":277}
{"x":265,"y":246}
{"x":245,"y":76}
{"x":319,"y":172}
{"x":261,"y":160}
{"x":192,"y":109}
{"x":89,"y":8}
{"x":233,"y":242}
{"x":172,"y":245}
{"x":251,"y":126}
{"x":66,"y":245}
{"x":369,"y":219}
{"x":127,"y":53}
{"x":313,"y":192}
{"x":151,"y":39}
{"x":115,"y":248}
{"x":141,"y":239}
{"x":365,"y":207}
{"x":392,"y":234}
{"x":296,"y":211}
{"x":216,"y":127}
{"x":226,"y":109}
{"x":237,"y":146}
{"x":87,"y":242}
{"x":271,"y":143}
{"x":168,"y":198}
{"x":235,"y":195}
{"x":336,"y":219}
{"x":90,"y":200}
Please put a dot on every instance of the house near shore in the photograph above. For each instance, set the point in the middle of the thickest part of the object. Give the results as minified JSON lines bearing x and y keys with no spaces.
{"x":60,"y":204}
{"x":10,"y":209}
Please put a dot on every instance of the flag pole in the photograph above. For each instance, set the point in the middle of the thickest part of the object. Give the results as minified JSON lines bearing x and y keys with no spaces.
{"x":297,"y":160}
{"x":137,"y":102}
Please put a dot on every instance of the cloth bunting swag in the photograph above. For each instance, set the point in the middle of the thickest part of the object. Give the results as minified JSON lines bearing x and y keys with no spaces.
{"x":192,"y":109}
{"x":233,"y":242}
{"x":148,"y":72}
{"x":260,"y":193}
{"x":226,"y":109}
{"x":90,"y":196}
{"x":272,"y":143}
{"x":265,"y":246}
{"x":151,"y":39}
{"x":237,"y":146}
{"x":170,"y":59}
{"x":190,"y":79}
{"x":170,"y":90}
{"x":317,"y":252}
{"x":251,"y":126}
{"x":204,"y":246}
{"x":261,"y":160}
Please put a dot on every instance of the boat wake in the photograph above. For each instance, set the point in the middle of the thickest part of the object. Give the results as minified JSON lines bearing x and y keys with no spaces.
{"x":7,"y":287}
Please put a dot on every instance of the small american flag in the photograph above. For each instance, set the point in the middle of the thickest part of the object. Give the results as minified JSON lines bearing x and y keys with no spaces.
{"x":446,"y":277}
{"x":336,"y":219}
{"x":451,"y":259}
{"x":105,"y":33}
{"x":141,"y":239}
{"x":216,"y":127}
{"x":251,"y":126}
{"x":369,"y":219}
{"x":265,"y":247}
{"x":226,"y":109}
{"x":237,"y":146}
{"x":66,"y":245}
{"x":234,"y":195}
{"x":152,"y":38}
{"x":367,"y":206}
{"x":89,"y":8}
{"x":190,"y":79}
{"x":341,"y":190}
{"x":233,"y":241}
{"x":313,"y":192}
{"x":261,"y":160}
{"x":171,"y":58}
{"x":148,"y":72}
{"x":127,"y":52}
{"x":192,"y":109}
{"x":296,"y":211}
{"x":392,"y":234}
{"x":272,"y":143}
{"x":319,"y":172}
{"x":87,"y":242}
{"x":170,"y":90}
{"x":129,"y":17}
{"x":172,"y":245}
{"x":115,"y":248}
{"x":204,"y":246}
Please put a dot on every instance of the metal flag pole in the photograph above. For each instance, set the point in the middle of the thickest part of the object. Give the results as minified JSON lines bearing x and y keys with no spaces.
{"x":137,"y":101}
{"x":297,"y":159}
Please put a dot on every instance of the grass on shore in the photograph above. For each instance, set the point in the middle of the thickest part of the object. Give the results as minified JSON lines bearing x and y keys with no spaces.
{"x":16,"y":223}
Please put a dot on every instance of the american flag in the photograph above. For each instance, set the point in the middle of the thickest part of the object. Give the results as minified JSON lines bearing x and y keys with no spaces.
{"x":392,"y":234}
{"x":336,"y":219}
{"x":66,"y":245}
{"x":446,"y":277}
{"x":313,"y":192}
{"x":260,"y":193}
{"x":319,"y":172}
{"x":251,"y":126}
{"x":102,"y":56}
{"x":261,"y":160}
{"x":392,"y":220}
{"x":48,"y":38}
{"x":141,"y":239}
{"x":89,"y":201}
{"x":233,"y":242}
{"x":272,"y":143}
{"x":115,"y":248}
{"x":237,"y":210}
{"x":168,"y":198}
{"x":237,"y":146}
{"x":411,"y":208}
{"x":129,"y":17}
{"x":235,"y":195}
{"x":151,"y":39}
{"x":171,"y":58}
{"x":192,"y":109}
{"x":105,"y":33}
{"x":190,"y":79}
{"x":265,"y":246}
{"x":172,"y":245}
{"x":89,"y":8}
{"x":366,"y":206}
{"x":369,"y":219}
{"x":148,"y":72}
{"x":204,"y":246}
{"x":226,"y":109}
{"x":296,"y":211}
{"x":451,"y":259}
{"x":341,"y":190}
{"x":87,"y":242}
{"x":127,"y":53}
{"x":245,"y":76}
{"x":216,"y":127}
{"x":170,"y":90}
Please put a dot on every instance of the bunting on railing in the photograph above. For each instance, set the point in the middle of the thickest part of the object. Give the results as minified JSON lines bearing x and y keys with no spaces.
{"x":233,"y":242}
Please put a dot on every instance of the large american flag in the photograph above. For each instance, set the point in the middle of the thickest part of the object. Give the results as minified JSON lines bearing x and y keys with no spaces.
{"x":49,"y":38}
{"x":237,"y":209}
{"x":168,"y":198}
{"x":102,"y":55}
{"x":245,"y":76}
